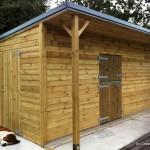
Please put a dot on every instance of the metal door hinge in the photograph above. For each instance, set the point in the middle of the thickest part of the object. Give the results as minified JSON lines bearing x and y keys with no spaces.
{"x":102,"y":58}
{"x":103,"y":86}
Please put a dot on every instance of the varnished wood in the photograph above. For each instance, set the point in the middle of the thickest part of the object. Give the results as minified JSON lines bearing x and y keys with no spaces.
{"x":1,"y":88}
{"x":45,"y":83}
{"x":84,"y":27}
{"x":110,"y":91}
{"x":43,"y":79}
{"x":67,"y":30}
{"x":21,"y":84}
{"x":75,"y":82}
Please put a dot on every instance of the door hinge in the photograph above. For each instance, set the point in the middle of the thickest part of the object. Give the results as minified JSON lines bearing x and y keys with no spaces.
{"x":102,"y":58}
{"x":103,"y":86}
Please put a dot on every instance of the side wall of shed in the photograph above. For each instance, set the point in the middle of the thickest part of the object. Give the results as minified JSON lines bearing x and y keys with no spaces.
{"x":25,"y":47}
{"x":135,"y":80}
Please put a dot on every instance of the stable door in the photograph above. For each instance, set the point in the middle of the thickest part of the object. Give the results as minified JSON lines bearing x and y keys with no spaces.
{"x":110,"y":87}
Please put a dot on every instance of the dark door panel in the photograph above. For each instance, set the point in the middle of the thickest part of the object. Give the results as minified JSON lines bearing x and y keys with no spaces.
{"x":110,"y":87}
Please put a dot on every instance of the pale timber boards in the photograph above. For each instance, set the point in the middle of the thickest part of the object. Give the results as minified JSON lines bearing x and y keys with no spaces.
{"x":24,"y":48}
{"x":59,"y":79}
{"x":43,"y":81}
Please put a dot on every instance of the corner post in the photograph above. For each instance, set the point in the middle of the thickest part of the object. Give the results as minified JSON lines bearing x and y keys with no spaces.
{"x":75,"y":84}
{"x":43,"y":81}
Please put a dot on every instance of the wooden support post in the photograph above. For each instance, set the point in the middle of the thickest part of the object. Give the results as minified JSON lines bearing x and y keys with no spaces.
{"x":43,"y":81}
{"x":75,"y":84}
{"x":75,"y":34}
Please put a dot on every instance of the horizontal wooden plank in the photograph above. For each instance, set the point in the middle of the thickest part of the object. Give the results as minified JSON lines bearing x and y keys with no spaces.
{"x":19,"y":46}
{"x":27,"y":38}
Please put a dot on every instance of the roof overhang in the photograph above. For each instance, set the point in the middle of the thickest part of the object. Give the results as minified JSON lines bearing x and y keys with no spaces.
{"x":70,"y":8}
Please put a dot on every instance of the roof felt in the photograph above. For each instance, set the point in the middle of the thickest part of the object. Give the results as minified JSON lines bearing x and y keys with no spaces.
{"x":76,"y":8}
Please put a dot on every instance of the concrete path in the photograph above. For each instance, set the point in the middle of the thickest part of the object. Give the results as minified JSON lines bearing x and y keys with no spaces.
{"x":23,"y":145}
{"x":110,"y":137}
{"x":114,"y":136}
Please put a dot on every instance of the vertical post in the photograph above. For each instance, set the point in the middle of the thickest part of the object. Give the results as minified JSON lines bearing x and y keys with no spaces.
{"x":75,"y":84}
{"x":1,"y":88}
{"x":43,"y":94}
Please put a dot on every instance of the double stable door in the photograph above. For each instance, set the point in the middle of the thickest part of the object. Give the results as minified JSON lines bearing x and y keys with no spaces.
{"x":110,"y":87}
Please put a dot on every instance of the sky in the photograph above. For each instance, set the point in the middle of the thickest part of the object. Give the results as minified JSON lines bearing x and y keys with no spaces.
{"x":53,"y":3}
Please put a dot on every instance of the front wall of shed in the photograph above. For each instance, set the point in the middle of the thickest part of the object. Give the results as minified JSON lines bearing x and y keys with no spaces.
{"x":25,"y":47}
{"x":135,"y":80}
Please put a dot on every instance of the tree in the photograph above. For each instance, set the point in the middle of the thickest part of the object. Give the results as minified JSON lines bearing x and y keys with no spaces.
{"x":16,"y":12}
{"x":134,"y":11}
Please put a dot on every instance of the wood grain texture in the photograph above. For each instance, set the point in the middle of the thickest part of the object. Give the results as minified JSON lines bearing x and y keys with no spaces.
{"x":39,"y":80}
{"x":75,"y":82}
{"x":21,"y":83}
{"x":1,"y":88}
{"x":59,"y":80}
{"x":43,"y":81}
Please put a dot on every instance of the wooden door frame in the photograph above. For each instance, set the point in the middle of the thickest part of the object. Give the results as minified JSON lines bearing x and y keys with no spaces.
{"x":1,"y":90}
{"x":16,"y":60}
{"x":10,"y":58}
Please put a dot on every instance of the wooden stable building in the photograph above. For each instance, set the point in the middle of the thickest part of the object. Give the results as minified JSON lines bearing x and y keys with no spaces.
{"x":72,"y":63}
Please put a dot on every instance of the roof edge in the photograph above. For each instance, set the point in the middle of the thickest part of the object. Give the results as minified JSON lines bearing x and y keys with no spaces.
{"x":77,"y":8}
{"x":34,"y":21}
{"x":97,"y":14}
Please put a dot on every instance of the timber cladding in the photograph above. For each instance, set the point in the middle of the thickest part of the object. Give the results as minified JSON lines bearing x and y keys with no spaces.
{"x":36,"y":81}
{"x":59,"y":87}
{"x":135,"y":80}
{"x":21,"y":70}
